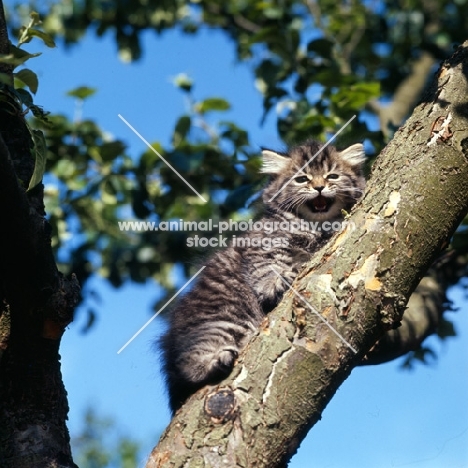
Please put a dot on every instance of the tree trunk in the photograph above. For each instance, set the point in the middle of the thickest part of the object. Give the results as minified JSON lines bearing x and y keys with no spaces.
{"x":360,"y":283}
{"x":36,"y":304}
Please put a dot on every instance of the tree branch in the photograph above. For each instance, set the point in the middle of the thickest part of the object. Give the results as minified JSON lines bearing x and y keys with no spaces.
{"x":4,"y":42}
{"x":406,"y":95}
{"x":36,"y":304}
{"x":425,"y":312}
{"x":420,"y":320}
{"x":360,"y":283}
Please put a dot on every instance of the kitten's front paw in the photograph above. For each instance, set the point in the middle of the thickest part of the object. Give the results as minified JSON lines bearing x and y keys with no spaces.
{"x":273,"y":289}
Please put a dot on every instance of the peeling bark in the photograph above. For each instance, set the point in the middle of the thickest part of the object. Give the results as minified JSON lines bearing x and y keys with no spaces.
{"x":360,"y":283}
{"x":422,"y":318}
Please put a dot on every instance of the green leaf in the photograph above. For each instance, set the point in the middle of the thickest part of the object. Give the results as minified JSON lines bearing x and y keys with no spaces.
{"x":234,"y":133}
{"x":184,"y":82}
{"x":25,"y":97}
{"x":5,"y":78}
{"x":180,"y":161}
{"x":149,"y":157}
{"x":65,"y":169}
{"x":16,"y":56}
{"x":29,"y":78}
{"x":90,"y":320}
{"x":40,"y":114}
{"x":140,"y":202}
{"x":269,"y":72}
{"x":82,"y":92}
{"x":238,"y":198}
{"x":40,"y":151}
{"x":26,"y":33}
{"x":446,"y":329}
{"x":110,"y":150}
{"x":322,"y":47}
{"x":46,"y":38}
{"x":273,"y":12}
{"x":354,"y":97}
{"x":35,"y":18}
{"x":181,"y":129}
{"x":212,"y":104}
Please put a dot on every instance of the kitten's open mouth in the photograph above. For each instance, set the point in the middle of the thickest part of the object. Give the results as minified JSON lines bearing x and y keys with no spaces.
{"x":320,"y":204}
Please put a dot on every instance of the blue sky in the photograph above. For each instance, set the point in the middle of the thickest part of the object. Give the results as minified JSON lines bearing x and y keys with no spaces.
{"x":380,"y":417}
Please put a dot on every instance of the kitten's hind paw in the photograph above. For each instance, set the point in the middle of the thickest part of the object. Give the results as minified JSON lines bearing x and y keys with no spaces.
{"x":222,"y":363}
{"x":227,"y":357}
{"x":208,"y":366}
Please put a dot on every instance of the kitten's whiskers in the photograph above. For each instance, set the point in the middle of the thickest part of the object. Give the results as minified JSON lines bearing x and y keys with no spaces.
{"x":295,"y":202}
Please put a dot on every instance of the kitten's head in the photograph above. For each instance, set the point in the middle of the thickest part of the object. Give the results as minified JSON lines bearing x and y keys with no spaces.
{"x":313,"y":182}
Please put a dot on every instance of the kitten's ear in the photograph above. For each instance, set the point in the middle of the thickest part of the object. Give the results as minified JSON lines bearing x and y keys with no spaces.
{"x":354,"y":155}
{"x":273,"y":163}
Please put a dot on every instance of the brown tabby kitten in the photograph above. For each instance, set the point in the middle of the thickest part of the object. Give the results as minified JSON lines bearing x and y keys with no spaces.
{"x":212,"y":323}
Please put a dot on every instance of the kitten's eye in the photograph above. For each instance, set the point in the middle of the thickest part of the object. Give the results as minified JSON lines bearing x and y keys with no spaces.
{"x":301,"y":179}
{"x":333,"y":176}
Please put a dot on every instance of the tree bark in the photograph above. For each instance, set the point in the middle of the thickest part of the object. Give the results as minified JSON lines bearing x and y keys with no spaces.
{"x":36,"y":304}
{"x":360,"y":283}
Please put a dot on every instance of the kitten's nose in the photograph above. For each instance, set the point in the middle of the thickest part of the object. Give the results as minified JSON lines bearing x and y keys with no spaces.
{"x":319,"y":188}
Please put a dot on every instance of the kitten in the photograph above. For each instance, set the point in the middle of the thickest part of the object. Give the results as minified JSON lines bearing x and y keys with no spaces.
{"x":212,"y":323}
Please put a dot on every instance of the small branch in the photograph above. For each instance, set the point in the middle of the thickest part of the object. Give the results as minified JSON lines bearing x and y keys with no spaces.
{"x":349,"y":47}
{"x":316,"y":14}
{"x":374,"y":107}
{"x":246,"y":24}
{"x":407,"y":94}
{"x":239,"y":20}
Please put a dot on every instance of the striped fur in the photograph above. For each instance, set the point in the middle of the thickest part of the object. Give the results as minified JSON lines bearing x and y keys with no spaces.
{"x":212,"y":323}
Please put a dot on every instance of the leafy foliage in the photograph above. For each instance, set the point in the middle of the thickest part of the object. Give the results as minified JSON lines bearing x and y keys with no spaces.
{"x":315,"y":63}
{"x":100,"y":445}
{"x":14,"y":96}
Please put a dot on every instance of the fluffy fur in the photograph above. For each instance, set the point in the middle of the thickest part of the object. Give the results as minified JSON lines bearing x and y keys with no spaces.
{"x":212,"y":323}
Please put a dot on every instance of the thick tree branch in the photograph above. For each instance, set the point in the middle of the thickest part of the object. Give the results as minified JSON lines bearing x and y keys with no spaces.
{"x":29,"y":274}
{"x":4,"y":41}
{"x":420,"y":320}
{"x":360,"y":283}
{"x":36,"y":304}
